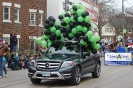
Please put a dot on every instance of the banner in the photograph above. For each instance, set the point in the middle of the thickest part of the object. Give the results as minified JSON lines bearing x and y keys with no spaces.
{"x":118,"y":58}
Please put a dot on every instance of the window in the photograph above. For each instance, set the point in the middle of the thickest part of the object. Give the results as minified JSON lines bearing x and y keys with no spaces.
{"x":40,"y":19}
{"x":16,"y":15}
{"x":32,"y":19}
{"x":6,"y":11}
{"x":6,"y":14}
{"x":32,"y":44}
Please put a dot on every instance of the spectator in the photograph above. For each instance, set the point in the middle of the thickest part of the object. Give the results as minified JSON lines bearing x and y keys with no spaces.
{"x":3,"y":51}
{"x":22,"y":62}
{"x":15,"y":43}
{"x":13,"y":63}
{"x":35,"y":57}
{"x":27,"y":60}
{"x":121,"y":48}
{"x":12,"y":40}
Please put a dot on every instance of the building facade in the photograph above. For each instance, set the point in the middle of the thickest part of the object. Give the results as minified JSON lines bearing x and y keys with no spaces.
{"x":108,"y":33}
{"x":23,"y":17}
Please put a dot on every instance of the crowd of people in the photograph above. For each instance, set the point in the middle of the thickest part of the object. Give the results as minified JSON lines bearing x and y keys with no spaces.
{"x":117,"y":47}
{"x":10,"y":58}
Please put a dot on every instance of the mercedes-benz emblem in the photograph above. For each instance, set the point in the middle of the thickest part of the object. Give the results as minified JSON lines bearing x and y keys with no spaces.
{"x":47,"y":64}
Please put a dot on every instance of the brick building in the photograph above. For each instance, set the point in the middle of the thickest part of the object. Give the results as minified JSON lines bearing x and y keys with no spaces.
{"x":24,"y":17}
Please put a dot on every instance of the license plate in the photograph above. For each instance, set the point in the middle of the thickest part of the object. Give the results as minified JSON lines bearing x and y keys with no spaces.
{"x":46,"y":74}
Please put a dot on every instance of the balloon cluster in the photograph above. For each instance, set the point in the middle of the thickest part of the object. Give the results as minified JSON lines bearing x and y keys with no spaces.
{"x":75,"y":24}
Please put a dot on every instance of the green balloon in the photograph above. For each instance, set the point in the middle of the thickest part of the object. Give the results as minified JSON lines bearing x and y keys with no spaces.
{"x":87,"y":19}
{"x":62,"y":38}
{"x":74,"y":31}
{"x":45,"y":37}
{"x":89,"y":51}
{"x":58,"y":33}
{"x":63,"y":14}
{"x":83,"y":8}
{"x":71,"y":11}
{"x":80,"y":19}
{"x":66,"y":19}
{"x":93,"y":44}
{"x":44,"y":44}
{"x":53,"y":29}
{"x":92,"y":39}
{"x":82,"y":42}
{"x":38,"y":40}
{"x":71,"y":35}
{"x":97,"y":38}
{"x":49,"y":44}
{"x":79,"y":28}
{"x":79,"y":12}
{"x":84,"y":29}
{"x":49,"y":41}
{"x":124,"y":31}
{"x":72,"y":19}
{"x":89,"y":34}
{"x":91,"y":25}
{"x":79,"y":6}
{"x":97,"y":46}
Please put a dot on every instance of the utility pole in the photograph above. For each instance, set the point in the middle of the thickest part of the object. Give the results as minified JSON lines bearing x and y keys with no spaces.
{"x":123,"y":20}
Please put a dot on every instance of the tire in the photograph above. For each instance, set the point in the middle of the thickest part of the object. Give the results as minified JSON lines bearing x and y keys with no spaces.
{"x":35,"y":81}
{"x":77,"y":76}
{"x":97,"y":71}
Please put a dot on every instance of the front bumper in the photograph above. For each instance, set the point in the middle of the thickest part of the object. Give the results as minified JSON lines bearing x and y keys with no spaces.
{"x":61,"y":74}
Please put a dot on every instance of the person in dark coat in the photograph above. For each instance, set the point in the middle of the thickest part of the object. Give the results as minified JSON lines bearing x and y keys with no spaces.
{"x":15,"y":43}
{"x":12,"y":40}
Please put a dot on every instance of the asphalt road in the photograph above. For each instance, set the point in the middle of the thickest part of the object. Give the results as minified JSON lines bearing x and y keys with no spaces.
{"x":111,"y":77}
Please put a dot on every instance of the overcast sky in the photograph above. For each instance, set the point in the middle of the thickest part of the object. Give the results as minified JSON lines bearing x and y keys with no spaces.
{"x":127,"y":3}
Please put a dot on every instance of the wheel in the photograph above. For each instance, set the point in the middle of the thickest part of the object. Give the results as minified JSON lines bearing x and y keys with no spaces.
{"x":35,"y":81}
{"x":77,"y":76}
{"x":97,"y":71}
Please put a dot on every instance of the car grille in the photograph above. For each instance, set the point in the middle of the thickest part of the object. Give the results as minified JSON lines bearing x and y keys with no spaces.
{"x":48,"y":64}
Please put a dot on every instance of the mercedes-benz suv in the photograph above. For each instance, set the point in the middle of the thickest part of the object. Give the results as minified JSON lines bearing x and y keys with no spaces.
{"x":65,"y":61}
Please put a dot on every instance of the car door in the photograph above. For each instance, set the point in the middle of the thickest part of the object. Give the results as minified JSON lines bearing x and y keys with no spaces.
{"x":86,"y":64}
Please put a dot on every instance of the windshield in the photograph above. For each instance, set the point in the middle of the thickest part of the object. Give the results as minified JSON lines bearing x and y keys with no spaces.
{"x":63,"y":51}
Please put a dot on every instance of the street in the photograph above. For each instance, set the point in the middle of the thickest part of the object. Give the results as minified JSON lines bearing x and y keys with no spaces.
{"x":111,"y":77}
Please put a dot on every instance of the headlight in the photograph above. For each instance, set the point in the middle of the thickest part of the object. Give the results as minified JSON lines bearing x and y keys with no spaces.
{"x":67,"y":64}
{"x":33,"y":63}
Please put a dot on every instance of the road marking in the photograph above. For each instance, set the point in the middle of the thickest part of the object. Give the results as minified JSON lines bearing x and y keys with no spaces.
{"x":101,"y":76}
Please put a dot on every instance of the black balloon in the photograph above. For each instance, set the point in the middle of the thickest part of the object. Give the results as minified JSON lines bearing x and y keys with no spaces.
{"x":63,"y":23}
{"x":88,"y":25}
{"x":52,"y":36}
{"x":62,"y":30}
{"x":51,"y":18}
{"x":75,"y":17}
{"x":74,"y":13}
{"x":72,"y":25}
{"x":60,"y":17}
{"x":59,"y":37}
{"x":94,"y":51}
{"x":77,"y":23}
{"x":51,"y":23}
{"x":47,"y":21}
{"x":74,"y":8}
{"x":85,"y":38}
{"x":68,"y":30}
{"x":84,"y":14}
{"x":87,"y":12}
{"x":65,"y":35}
{"x":57,"y":27}
{"x":126,"y":45}
{"x":67,"y":15}
{"x":48,"y":32}
{"x":83,"y":23}
{"x":46,"y":26}
{"x":88,"y":42}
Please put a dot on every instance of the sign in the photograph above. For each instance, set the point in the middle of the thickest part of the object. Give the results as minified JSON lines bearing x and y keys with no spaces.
{"x":118,"y":58}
